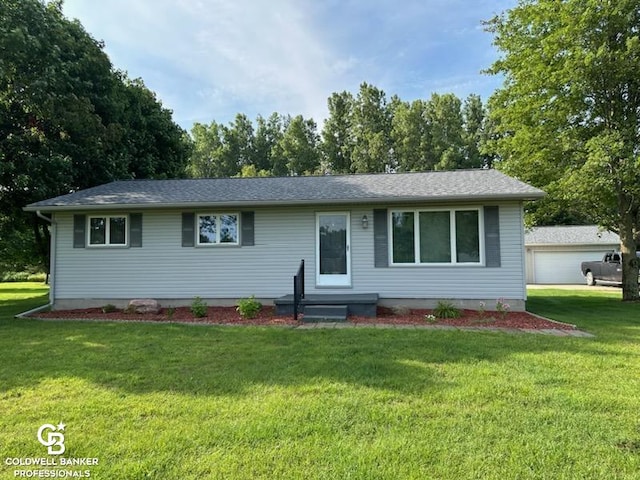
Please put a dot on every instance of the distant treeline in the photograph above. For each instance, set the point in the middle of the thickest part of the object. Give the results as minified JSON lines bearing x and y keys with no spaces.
{"x":363,"y":133}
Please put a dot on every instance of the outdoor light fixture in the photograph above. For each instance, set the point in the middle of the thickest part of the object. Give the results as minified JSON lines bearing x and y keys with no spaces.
{"x":365,"y":221}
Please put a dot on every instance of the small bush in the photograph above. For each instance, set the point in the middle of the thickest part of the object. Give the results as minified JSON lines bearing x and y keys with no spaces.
{"x":430,"y":318}
{"x":502,"y":308}
{"x":446,"y":310}
{"x":109,"y":308}
{"x":23,"y":277}
{"x":249,"y":307}
{"x":170,"y":312}
{"x":199,"y":308}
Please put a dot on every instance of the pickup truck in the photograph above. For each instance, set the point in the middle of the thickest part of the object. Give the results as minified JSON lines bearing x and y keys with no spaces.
{"x":609,"y":270}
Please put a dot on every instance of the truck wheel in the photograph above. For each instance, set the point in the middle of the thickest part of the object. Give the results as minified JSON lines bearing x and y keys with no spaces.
{"x":590,"y":280}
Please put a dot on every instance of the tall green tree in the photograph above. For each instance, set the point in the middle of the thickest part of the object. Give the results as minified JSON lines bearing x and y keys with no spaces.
{"x":207,"y":158}
{"x":18,"y":251}
{"x":298,"y":147}
{"x":568,"y":114}
{"x":238,"y":144}
{"x":474,"y":133}
{"x":337,"y":133}
{"x":155,"y":147}
{"x":67,"y":119}
{"x":268,"y":133}
{"x":444,"y":113}
{"x":412,"y":137}
{"x":371,"y":126}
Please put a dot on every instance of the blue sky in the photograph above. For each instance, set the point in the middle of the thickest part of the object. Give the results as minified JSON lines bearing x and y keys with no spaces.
{"x":210,"y":59}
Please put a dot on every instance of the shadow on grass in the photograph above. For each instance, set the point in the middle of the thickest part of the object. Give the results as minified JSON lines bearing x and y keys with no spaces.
{"x":13,"y":307}
{"x":212,"y":360}
{"x":205,"y":360}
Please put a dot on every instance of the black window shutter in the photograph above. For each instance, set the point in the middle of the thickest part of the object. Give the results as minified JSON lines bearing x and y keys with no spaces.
{"x":380,"y":238}
{"x":188,"y":229}
{"x":79,"y":231}
{"x":135,"y":230}
{"x":247,"y":224}
{"x":492,"y":236}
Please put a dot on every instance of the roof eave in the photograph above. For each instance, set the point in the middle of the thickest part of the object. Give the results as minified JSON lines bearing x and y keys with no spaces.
{"x":282,"y":203}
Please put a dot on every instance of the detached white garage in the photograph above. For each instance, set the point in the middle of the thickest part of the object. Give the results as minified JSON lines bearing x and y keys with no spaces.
{"x":554,"y":254}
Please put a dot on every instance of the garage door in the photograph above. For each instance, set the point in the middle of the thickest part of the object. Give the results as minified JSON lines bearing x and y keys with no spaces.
{"x":561,"y":267}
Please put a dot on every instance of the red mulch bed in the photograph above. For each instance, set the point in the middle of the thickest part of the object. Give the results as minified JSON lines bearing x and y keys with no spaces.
{"x":468,"y":318}
{"x":267,"y":316}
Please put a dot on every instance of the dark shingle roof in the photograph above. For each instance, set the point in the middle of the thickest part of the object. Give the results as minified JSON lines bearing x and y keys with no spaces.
{"x":461,"y":185}
{"x":570,"y":235}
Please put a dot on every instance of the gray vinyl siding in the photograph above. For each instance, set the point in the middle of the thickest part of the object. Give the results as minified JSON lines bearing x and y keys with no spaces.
{"x":455,"y":282}
{"x":163,"y":268}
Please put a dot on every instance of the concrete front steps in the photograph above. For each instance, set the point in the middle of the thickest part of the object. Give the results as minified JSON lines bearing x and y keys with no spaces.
{"x":323,"y":307}
{"x":325,"y":313}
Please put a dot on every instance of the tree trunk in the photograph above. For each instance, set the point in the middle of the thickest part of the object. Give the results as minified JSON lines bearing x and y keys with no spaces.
{"x":43,"y":241}
{"x":630,"y":262}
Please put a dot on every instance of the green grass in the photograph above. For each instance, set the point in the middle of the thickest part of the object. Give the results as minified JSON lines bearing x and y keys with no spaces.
{"x":190,"y":402}
{"x":16,"y":297}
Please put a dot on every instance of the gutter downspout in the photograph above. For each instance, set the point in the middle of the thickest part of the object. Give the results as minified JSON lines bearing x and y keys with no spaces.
{"x":524,"y":256}
{"x":52,"y":256}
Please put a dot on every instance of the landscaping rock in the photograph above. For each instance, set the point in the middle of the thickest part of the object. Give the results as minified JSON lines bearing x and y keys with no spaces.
{"x":143,"y":305}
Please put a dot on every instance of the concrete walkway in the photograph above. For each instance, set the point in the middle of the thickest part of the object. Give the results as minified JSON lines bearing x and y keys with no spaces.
{"x":556,"y":332}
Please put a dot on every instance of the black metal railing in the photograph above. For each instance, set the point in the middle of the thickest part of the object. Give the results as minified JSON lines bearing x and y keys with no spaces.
{"x":298,"y":290}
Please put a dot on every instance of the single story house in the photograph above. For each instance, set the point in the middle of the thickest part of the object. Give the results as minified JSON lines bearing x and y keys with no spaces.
{"x":554,"y":254}
{"x":410,"y":238}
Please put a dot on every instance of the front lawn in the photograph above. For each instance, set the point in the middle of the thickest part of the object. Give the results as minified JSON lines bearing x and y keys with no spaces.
{"x":19,"y":297}
{"x":189,"y":402}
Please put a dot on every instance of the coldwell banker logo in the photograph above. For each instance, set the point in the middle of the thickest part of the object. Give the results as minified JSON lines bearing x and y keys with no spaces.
{"x":55,"y":466}
{"x":51,"y":437}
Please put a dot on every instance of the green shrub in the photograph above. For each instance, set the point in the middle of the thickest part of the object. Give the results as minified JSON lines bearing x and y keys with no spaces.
{"x":170,"y":312}
{"x":482,"y":311}
{"x":446,"y":310}
{"x":109,"y":308}
{"x":23,"y":277}
{"x":502,"y":308}
{"x":249,"y":307}
{"x":430,"y":319}
{"x":199,"y":308}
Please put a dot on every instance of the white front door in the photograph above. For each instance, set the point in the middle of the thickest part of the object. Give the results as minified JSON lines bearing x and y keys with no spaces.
{"x":333,"y":256}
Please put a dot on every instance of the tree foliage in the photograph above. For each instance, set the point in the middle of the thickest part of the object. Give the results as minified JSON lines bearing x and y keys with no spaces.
{"x":568,"y":116}
{"x":68,"y":120}
{"x":337,"y":139}
{"x":298,"y":147}
{"x":411,"y":134}
{"x":371,"y":131}
{"x":364,"y":133}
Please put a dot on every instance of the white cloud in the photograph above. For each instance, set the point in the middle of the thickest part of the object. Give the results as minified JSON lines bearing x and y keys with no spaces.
{"x":247,"y":54}
{"x":265,"y":52}
{"x":211,"y":59}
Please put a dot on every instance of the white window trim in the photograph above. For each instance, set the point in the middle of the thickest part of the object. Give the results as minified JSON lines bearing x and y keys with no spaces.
{"x":452,"y":227}
{"x":218,"y":243}
{"x":107,"y":232}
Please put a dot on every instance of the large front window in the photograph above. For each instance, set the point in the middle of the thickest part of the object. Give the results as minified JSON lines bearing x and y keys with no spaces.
{"x":218,"y":229}
{"x":108,"y":231}
{"x":435,"y":237}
